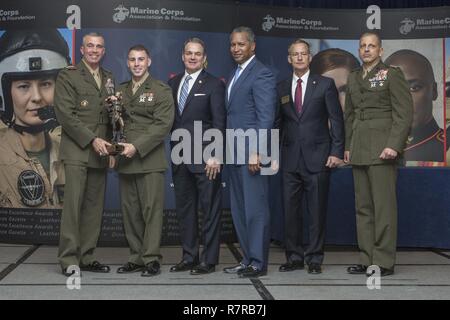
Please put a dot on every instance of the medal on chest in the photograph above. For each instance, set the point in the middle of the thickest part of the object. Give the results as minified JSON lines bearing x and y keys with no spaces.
{"x":146,"y":97}
{"x":379,"y":79}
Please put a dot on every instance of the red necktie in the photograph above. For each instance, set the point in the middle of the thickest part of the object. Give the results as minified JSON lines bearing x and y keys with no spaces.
{"x":298,"y":96}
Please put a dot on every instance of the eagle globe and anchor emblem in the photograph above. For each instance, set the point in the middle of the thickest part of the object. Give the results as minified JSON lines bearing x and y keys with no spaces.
{"x":407,"y":26}
{"x":268,"y":23}
{"x":121,"y":14}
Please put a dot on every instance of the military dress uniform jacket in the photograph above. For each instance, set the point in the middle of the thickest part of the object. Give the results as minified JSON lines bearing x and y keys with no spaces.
{"x":80,"y":109}
{"x":14,"y":164}
{"x":378,"y":113}
{"x":148,"y":119}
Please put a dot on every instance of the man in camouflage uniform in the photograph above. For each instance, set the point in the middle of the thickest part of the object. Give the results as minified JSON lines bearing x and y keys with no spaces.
{"x":378,"y":117}
{"x":80,"y":109}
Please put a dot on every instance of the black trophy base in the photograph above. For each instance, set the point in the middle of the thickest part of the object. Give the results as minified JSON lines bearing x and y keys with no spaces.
{"x":114,"y":149}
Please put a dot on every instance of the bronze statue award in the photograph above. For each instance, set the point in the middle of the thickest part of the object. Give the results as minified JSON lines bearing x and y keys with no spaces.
{"x":115,"y":111}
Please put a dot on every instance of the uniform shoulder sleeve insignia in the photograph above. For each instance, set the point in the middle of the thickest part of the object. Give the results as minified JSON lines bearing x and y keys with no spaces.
{"x":71,"y":67}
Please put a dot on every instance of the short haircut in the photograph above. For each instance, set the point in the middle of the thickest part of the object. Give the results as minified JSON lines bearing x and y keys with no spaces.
{"x":195,"y":40}
{"x":298,"y":41}
{"x":372,"y":33}
{"x":139,"y":47}
{"x":331,"y":59}
{"x":414,"y":54}
{"x":92,"y":34}
{"x":247,"y":30}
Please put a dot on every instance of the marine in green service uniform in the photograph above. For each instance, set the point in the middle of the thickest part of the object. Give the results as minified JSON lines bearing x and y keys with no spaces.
{"x":149,"y":114}
{"x":80,"y":109}
{"x":378,"y":117}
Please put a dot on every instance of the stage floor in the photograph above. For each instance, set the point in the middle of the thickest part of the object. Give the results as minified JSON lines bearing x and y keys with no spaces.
{"x":32,"y":272}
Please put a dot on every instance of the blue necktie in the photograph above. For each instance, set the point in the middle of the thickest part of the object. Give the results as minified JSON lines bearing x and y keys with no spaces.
{"x":184,"y":94}
{"x":235,"y":78}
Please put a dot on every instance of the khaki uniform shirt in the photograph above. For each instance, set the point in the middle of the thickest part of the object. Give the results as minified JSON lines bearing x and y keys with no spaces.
{"x":24,"y":182}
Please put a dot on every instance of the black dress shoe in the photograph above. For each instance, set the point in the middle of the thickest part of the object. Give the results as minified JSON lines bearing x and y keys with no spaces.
{"x":386,"y":272}
{"x":151,"y":269}
{"x":203,"y":268}
{"x":95,"y":266}
{"x":314,"y":268}
{"x":383,"y":272}
{"x":291,"y":266}
{"x":182,"y":266}
{"x":235,"y":269}
{"x":130,"y":267}
{"x":252,"y":272}
{"x":357,"y":269}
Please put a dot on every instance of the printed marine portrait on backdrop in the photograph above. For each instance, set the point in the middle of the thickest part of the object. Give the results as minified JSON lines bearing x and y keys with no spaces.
{"x":31,"y":175}
{"x":422,"y":64}
{"x":337,"y":64}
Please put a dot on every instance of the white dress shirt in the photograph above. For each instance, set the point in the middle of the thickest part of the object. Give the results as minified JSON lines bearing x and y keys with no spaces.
{"x":194,"y":77}
{"x":243,"y":66}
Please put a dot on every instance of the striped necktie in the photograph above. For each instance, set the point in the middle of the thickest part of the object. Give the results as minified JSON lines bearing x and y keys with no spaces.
{"x":184,"y":94}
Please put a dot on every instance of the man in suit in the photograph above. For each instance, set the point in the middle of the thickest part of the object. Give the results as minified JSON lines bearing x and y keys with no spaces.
{"x":312,"y":129}
{"x":250,"y":104}
{"x":200,"y":98}
{"x":378,"y":117}
{"x":79,"y":105}
{"x":141,"y":165}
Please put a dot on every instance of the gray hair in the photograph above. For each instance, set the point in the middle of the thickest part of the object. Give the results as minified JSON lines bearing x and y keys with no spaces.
{"x":247,"y":30}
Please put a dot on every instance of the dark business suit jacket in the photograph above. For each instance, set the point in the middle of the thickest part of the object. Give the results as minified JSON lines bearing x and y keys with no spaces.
{"x":307,"y":142}
{"x":309,"y":131}
{"x":193,"y":189}
{"x":204,"y":103}
{"x":251,"y":105}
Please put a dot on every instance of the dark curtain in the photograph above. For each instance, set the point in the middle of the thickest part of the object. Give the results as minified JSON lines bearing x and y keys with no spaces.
{"x":348,"y":4}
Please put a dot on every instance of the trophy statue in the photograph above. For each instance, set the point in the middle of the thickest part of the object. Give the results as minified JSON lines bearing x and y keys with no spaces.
{"x":115,"y":111}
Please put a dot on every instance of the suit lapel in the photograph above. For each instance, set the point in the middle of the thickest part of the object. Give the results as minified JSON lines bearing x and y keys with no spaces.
{"x":175,"y":85}
{"x":195,"y":88}
{"x":288,"y":90}
{"x":241,"y":79}
{"x":310,"y":87}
